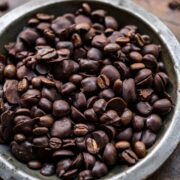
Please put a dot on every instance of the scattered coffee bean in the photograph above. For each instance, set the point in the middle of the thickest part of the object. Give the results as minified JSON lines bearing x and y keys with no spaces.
{"x":78,"y":94}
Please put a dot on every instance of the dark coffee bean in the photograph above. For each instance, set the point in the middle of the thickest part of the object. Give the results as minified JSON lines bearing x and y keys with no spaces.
{"x":41,"y":142}
{"x":126,"y":117}
{"x":110,"y":22}
{"x":85,"y":175}
{"x":80,"y":101}
{"x":110,"y":117}
{"x":154,"y":98}
{"x":144,"y":108}
{"x":19,"y":138}
{"x":34,"y":164}
{"x":125,"y":135}
{"x":154,"y":122}
{"x":49,"y":93}
{"x":99,"y":106}
{"x":91,"y":101}
{"x":121,"y":145}
{"x":107,"y":94}
{"x":123,"y":69}
{"x":86,"y":8}
{"x":129,"y":156}
{"x":60,"y":108}
{"x":110,"y":154}
{"x":48,"y":170}
{"x":89,"y":84}
{"x":160,"y":81}
{"x":138,"y":122}
{"x":78,"y":161}
{"x":36,"y":82}
{"x":10,"y":89}
{"x":162,"y":106}
{"x":81,"y":143}
{"x":44,"y":17}
{"x":111,"y":72}
{"x":137,"y":136}
{"x":152,"y":49}
{"x":122,"y":40}
{"x":10,"y":71}
{"x":117,"y":87}
{"x":82,"y":19}
{"x":148,"y":138}
{"x":40,"y":131}
{"x":94,"y":54}
{"x":99,"y":41}
{"x":89,"y":160}
{"x":129,"y":90}
{"x":135,"y":56}
{"x":45,"y":104}
{"x":111,"y":48}
{"x":91,"y":115}
{"x":150,"y":62}
{"x":76,"y":79}
{"x":103,"y":81}
{"x":99,"y":169}
{"x":117,"y":104}
{"x":140,"y":149}
{"x":62,"y":128}
{"x":68,"y":88}
{"x":70,"y":174}
{"x":144,"y":77}
{"x":55,"y":143}
{"x":137,"y":66}
{"x":46,"y":121}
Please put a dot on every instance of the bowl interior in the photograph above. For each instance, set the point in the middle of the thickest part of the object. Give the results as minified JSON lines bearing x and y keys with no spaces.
{"x":124,"y":17}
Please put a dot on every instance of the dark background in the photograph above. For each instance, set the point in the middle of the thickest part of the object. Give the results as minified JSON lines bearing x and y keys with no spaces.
{"x":171,"y":168}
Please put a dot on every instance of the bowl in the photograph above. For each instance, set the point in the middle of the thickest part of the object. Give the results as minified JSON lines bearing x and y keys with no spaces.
{"x":126,"y":12}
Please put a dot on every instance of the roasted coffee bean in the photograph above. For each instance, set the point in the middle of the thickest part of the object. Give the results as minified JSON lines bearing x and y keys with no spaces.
{"x":34,"y":164}
{"x":10,"y":71}
{"x":62,"y":128}
{"x":99,"y":169}
{"x":144,"y":108}
{"x":126,"y":117}
{"x":154,"y":122}
{"x":148,"y":138}
{"x":121,"y":145}
{"x":103,"y":81}
{"x":55,"y":143}
{"x":140,"y":149}
{"x":129,"y":156}
{"x":79,"y":93}
{"x":110,"y":154}
{"x":46,"y":121}
{"x":162,"y":106}
{"x":129,"y":90}
{"x":60,"y":108}
{"x":125,"y":135}
{"x":138,"y":122}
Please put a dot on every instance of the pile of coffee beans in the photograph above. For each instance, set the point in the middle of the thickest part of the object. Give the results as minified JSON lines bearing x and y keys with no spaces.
{"x":79,"y":94}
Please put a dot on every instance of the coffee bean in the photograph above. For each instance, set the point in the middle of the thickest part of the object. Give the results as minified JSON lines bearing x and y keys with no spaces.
{"x":77,"y":115}
{"x":62,"y":153}
{"x":111,"y":48}
{"x":150,"y":62}
{"x":60,"y":108}
{"x":162,"y":106}
{"x":110,"y":22}
{"x":110,"y":154}
{"x":89,"y":84}
{"x":121,"y":145}
{"x":125,"y":135}
{"x":135,"y":56}
{"x":10,"y":71}
{"x":62,"y":128}
{"x":148,"y":138}
{"x":144,"y":108}
{"x":103,"y":81}
{"x":46,"y":121}
{"x":80,"y":129}
{"x":94,"y":54}
{"x":68,"y":88}
{"x":99,"y":106}
{"x":45,"y":104}
{"x":40,"y":131}
{"x":23,"y":85}
{"x":40,"y":142}
{"x":19,"y":138}
{"x":99,"y":41}
{"x":76,"y":79}
{"x":91,"y":115}
{"x":92,"y":146}
{"x":34,"y":164}
{"x":55,"y":143}
{"x":129,"y":156}
{"x":152,"y":49}
{"x":138,"y":122}
{"x":154,"y":122}
{"x":99,"y":169}
{"x":89,"y":160}
{"x":111,"y":72}
{"x":140,"y":149}
{"x":126,"y":117}
{"x":107,"y":94}
{"x":110,"y":117}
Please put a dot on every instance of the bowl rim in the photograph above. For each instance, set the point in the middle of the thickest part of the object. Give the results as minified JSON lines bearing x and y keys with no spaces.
{"x":171,"y":137}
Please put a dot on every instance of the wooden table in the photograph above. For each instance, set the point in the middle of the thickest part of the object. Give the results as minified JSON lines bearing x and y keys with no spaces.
{"x":171,"y":168}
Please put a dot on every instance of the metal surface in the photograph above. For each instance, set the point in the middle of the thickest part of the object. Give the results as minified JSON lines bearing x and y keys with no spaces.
{"x":126,"y":12}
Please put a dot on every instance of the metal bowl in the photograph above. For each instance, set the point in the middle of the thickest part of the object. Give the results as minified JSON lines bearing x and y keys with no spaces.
{"x":126,"y":12}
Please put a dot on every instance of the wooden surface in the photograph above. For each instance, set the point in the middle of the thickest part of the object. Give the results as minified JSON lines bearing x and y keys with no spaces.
{"x":171,"y":168}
